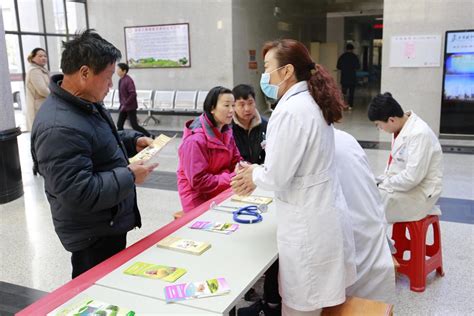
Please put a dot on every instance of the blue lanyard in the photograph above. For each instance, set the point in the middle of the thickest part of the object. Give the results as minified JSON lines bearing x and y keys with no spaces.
{"x":251,"y":210}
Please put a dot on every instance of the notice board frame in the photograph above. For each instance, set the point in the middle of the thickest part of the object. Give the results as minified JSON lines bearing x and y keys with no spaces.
{"x":157,"y":66}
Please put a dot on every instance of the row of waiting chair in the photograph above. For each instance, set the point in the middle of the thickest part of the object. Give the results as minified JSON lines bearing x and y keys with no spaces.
{"x":162,"y":100}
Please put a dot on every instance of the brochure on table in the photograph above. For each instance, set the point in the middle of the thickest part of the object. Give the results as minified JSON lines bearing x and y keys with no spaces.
{"x":237,"y":257}
{"x":141,"y":305}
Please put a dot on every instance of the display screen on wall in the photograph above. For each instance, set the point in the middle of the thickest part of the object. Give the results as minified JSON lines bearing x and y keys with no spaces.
{"x":457,"y":108}
{"x":158,"y":46}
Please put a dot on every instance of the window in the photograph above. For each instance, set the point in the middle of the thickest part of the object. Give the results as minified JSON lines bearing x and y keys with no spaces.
{"x":54,"y":12}
{"x":40,"y":23}
{"x":9,"y":15}
{"x":13,"y":53}
{"x":76,"y":16}
{"x":31,"y":17}
{"x":54,"y":53}
{"x":30,"y":42}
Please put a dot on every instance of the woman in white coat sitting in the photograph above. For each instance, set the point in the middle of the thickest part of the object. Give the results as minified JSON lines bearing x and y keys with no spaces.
{"x":315,"y":241}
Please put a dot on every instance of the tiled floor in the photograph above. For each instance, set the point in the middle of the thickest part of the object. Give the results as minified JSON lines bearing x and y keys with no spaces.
{"x":32,"y":256}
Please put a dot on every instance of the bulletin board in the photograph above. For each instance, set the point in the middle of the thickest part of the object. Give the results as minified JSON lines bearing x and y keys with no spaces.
{"x":158,"y":46}
{"x":415,"y":51}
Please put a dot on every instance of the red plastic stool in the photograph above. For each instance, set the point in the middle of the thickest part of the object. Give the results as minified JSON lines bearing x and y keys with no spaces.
{"x":418,"y":266}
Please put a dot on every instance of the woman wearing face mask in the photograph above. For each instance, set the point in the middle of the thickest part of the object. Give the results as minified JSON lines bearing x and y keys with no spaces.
{"x":37,"y":81}
{"x":208,"y":154}
{"x":314,"y":235}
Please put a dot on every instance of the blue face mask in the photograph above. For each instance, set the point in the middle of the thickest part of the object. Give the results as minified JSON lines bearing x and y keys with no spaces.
{"x":270,"y":90}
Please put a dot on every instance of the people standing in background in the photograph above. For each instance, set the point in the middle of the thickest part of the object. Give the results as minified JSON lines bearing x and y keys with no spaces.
{"x":348,"y":63}
{"x":248,"y":126}
{"x":128,"y":100}
{"x":37,"y":81}
{"x":207,"y":154}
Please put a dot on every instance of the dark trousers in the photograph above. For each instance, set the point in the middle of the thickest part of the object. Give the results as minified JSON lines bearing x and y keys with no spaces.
{"x":350,"y":97}
{"x":104,"y":248}
{"x":132,"y":118}
{"x":270,"y":285}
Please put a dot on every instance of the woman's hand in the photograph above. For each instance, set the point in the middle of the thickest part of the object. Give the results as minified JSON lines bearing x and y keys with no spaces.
{"x":242,"y":183}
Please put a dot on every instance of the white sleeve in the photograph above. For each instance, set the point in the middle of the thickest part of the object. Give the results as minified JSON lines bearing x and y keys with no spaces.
{"x":286,"y":144}
{"x":419,"y":154}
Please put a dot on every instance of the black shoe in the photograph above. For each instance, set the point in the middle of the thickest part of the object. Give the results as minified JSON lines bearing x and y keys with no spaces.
{"x":251,"y":296}
{"x":259,"y":308}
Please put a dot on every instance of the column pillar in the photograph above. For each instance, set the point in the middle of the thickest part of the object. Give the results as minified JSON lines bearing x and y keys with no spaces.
{"x":11,"y":184}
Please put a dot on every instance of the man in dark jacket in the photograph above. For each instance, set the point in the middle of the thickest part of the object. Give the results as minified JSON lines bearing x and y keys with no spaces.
{"x":348,"y":63}
{"x":249,"y":127}
{"x":128,"y":100}
{"x":88,"y":181}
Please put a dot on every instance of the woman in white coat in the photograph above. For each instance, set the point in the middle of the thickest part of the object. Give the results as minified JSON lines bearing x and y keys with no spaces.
{"x":37,"y":81}
{"x":375,"y":270}
{"x":412,"y":182}
{"x":315,"y":242}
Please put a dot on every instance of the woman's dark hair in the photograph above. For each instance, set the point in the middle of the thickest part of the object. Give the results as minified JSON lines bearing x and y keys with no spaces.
{"x":88,"y":49}
{"x":210,"y":102}
{"x":35,"y":52}
{"x":243,"y":91}
{"x":384,"y":106}
{"x":321,"y":85}
{"x":349,"y":46}
{"x":123,"y":66}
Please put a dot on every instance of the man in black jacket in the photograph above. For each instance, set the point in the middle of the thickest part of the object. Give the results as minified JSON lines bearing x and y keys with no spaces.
{"x":249,"y":127}
{"x":348,"y":64}
{"x":88,"y":181}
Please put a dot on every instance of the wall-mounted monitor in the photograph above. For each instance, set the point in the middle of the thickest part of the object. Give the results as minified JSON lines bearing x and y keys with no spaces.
{"x":457,"y":107}
{"x":158,"y":46}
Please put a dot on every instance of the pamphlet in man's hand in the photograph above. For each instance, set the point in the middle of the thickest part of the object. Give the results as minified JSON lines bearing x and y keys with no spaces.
{"x":149,"y":155}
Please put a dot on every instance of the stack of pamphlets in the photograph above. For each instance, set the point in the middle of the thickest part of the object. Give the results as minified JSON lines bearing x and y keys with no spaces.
{"x":154,"y":271}
{"x":91,"y":307}
{"x":184,"y":245}
{"x":185,"y":291}
{"x":221,"y":228}
{"x":252,"y":199}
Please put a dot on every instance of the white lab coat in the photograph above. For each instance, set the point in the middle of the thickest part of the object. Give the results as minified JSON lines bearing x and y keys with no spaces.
{"x":412,"y":183}
{"x":316,"y":254}
{"x":375,"y":270}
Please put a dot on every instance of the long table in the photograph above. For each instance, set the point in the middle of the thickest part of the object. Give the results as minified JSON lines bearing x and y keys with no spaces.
{"x":241,"y":257}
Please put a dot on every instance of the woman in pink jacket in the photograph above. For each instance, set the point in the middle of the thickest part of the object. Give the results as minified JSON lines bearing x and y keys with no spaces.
{"x":208,"y":154}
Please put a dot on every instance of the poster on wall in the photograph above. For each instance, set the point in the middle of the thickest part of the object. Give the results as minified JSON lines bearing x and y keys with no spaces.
{"x":158,"y":46}
{"x":415,"y":51}
{"x":457,"y":104}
